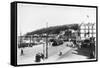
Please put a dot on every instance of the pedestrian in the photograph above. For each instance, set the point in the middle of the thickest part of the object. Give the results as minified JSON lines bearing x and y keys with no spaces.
{"x":22,"y":52}
{"x":60,"y":53}
{"x":42,"y":56}
{"x":37,"y":58}
{"x":92,"y":50}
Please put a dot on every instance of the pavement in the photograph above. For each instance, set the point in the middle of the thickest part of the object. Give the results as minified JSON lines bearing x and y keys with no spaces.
{"x":68,"y":54}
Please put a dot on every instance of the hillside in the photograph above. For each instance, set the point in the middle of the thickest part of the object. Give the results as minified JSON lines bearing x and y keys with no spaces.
{"x":54,"y":29}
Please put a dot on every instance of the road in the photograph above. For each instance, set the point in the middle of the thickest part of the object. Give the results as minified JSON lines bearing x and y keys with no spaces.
{"x":68,"y":54}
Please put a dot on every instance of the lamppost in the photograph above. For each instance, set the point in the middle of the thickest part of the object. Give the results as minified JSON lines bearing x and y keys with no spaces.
{"x":46,"y":42}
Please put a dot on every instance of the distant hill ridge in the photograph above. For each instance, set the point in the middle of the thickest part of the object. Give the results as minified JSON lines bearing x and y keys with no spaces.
{"x":54,"y":29}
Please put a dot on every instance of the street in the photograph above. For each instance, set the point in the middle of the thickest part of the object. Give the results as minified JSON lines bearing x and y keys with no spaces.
{"x":68,"y":54}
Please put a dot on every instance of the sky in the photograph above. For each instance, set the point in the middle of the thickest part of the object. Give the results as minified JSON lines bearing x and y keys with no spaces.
{"x":34,"y":16}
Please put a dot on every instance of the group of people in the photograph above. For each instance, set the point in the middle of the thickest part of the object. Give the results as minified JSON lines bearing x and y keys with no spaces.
{"x":39,"y":57}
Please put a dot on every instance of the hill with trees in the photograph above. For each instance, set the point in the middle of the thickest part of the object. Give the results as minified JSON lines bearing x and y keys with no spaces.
{"x":54,"y":29}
